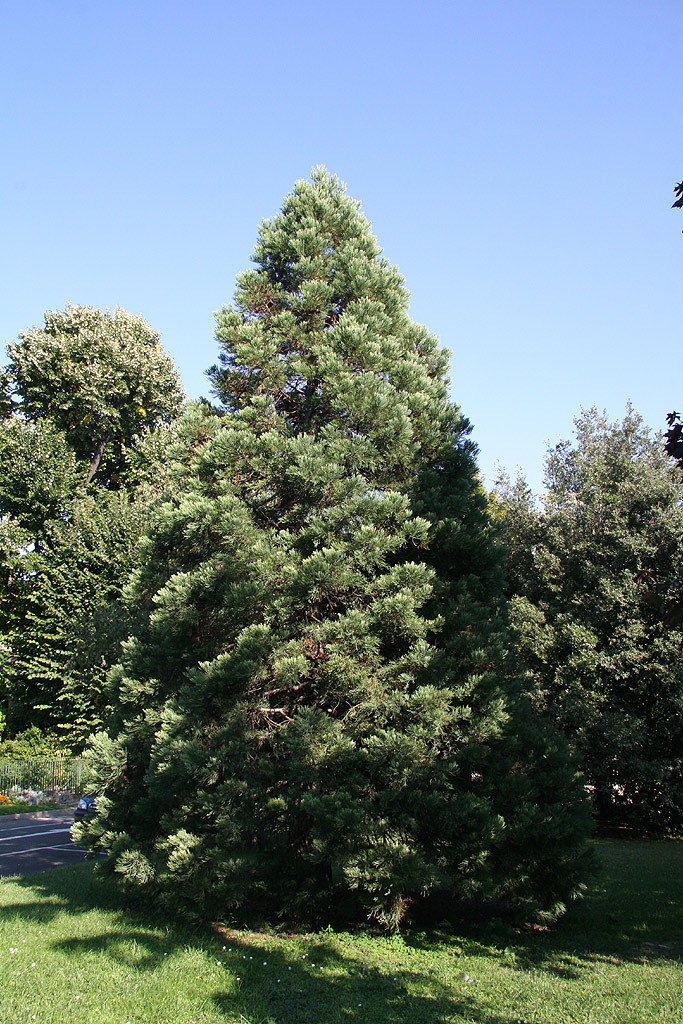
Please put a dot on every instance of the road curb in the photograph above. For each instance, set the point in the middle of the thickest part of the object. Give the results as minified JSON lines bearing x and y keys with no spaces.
{"x":57,"y":812}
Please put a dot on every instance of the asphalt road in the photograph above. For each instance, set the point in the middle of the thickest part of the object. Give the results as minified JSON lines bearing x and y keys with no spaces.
{"x":35,"y":842}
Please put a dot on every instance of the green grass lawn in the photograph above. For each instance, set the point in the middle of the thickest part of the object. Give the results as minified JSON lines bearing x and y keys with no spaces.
{"x":21,"y":807}
{"x":72,"y":952}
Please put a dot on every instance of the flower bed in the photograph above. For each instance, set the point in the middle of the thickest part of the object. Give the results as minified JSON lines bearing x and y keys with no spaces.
{"x":39,"y":796}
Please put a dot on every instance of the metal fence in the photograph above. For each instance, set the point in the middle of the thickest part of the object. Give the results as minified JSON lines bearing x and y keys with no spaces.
{"x":48,"y":775}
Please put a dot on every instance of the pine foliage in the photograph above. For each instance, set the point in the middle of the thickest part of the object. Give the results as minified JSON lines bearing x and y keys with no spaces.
{"x":316,"y":714}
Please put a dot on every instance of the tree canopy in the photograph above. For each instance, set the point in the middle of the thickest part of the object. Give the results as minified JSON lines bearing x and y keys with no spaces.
{"x":583,"y":573}
{"x":674,"y":437}
{"x":102,"y":379}
{"x":84,"y":399}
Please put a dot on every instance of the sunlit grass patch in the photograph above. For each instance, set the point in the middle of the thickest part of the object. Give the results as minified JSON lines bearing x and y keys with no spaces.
{"x":72,"y":951}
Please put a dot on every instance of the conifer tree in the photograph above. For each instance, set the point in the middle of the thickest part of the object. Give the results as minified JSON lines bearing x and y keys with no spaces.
{"x":317,"y":711}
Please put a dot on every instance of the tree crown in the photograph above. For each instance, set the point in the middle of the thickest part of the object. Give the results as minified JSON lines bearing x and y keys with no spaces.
{"x":102,"y":379}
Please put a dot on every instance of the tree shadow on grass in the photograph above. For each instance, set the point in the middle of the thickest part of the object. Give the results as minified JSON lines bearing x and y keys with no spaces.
{"x":76,"y":889}
{"x":258,"y":978}
{"x":631,"y":915}
{"x":329,"y":986}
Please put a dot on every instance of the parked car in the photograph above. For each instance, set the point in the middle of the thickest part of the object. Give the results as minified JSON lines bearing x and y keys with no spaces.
{"x":86,"y":809}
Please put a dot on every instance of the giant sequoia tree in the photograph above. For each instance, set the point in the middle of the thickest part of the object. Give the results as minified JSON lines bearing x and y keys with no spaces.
{"x":317,"y":708}
{"x":584,"y":573}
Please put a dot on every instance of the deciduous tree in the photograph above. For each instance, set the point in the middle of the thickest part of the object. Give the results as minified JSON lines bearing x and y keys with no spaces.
{"x":583,"y":574}
{"x":102,"y":379}
{"x":76,"y":446}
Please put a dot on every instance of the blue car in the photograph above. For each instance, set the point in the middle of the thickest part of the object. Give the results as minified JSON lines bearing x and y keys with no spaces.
{"x":86,"y":809}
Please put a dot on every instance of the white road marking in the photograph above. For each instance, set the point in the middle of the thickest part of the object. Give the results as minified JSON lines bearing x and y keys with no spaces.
{"x":23,"y":825}
{"x":33,"y":835}
{"x":34,"y":849}
{"x":48,"y":832}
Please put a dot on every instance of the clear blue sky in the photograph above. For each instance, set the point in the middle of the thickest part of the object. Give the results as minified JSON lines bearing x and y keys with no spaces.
{"x":516,"y":160}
